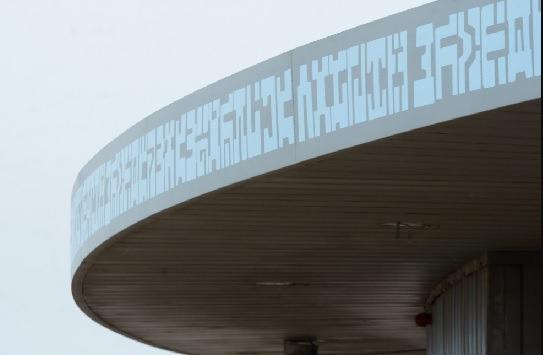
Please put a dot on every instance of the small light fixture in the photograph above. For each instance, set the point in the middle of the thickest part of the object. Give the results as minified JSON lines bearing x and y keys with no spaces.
{"x":423,"y":319}
{"x":281,"y":283}
{"x":275,"y":283}
{"x":409,"y":227}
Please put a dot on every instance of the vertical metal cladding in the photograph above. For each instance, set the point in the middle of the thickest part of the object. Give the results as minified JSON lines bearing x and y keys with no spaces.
{"x":491,"y":305}
{"x":459,"y":318}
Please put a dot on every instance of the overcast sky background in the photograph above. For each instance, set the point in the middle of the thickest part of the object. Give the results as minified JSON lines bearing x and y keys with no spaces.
{"x":74,"y":75}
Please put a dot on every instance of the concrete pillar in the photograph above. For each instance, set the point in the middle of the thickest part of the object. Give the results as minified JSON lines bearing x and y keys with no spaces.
{"x":490,"y":306}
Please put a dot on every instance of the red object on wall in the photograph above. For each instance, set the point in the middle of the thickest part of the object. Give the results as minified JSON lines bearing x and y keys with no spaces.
{"x":423,"y":319}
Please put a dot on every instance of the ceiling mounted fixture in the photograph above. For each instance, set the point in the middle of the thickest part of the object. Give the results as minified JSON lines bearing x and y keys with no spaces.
{"x":410,"y":227}
{"x":281,"y":283}
{"x":275,"y":283}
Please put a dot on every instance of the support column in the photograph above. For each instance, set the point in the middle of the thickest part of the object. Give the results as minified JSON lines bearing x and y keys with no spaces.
{"x":490,"y":306}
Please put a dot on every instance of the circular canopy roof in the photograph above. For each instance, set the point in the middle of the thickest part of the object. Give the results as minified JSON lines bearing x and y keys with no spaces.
{"x":320,"y":193}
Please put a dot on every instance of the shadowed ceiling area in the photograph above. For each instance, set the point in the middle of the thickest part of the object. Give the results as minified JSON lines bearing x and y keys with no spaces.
{"x":344,"y":248}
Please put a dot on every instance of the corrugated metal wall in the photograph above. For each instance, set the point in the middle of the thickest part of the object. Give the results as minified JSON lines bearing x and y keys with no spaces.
{"x":459,"y":315}
{"x":491,"y":305}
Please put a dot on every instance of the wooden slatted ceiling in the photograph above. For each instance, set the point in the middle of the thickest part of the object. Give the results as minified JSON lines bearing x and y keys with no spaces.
{"x":193,"y":279}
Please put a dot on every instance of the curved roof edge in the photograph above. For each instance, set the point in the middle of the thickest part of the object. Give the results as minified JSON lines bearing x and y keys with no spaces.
{"x":424,"y":66}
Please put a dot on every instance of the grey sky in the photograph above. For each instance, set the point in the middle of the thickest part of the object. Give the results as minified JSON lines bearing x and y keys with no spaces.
{"x":75,"y":74}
